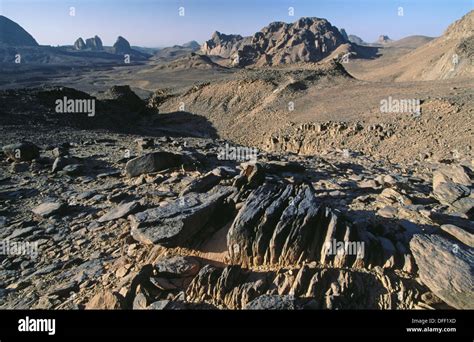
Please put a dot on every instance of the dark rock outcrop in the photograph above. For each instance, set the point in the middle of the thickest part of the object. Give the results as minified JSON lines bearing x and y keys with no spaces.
{"x":222,"y":44}
{"x":446,"y":268}
{"x":306,"y":40}
{"x":153,"y":162}
{"x":193,"y":45}
{"x":177,"y":267}
{"x":13,"y":34}
{"x":344,"y":34}
{"x":22,"y":151}
{"x":94,"y":43}
{"x":306,"y":287}
{"x":79,"y":44}
{"x":453,"y":186}
{"x":124,"y":97}
{"x":356,"y":39}
{"x":122,"y":46}
{"x":272,"y":302}
{"x":285,"y":224}
{"x":176,"y":223}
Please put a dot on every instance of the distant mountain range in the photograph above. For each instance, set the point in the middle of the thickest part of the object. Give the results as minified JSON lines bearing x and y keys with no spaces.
{"x":306,"y":40}
{"x":15,"y":41}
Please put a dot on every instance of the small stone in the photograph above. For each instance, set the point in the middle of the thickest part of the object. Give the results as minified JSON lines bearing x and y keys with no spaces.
{"x":272,"y":302}
{"x":19,"y":167}
{"x":61,"y":162}
{"x":459,"y":233}
{"x":105,"y":300}
{"x":145,"y":143}
{"x":120,"y":211}
{"x":72,"y":169}
{"x":177,"y":266}
{"x":449,"y":192}
{"x":388,"y":212}
{"x":49,"y":208}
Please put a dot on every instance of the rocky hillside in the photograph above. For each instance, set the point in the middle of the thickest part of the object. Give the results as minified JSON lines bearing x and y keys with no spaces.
{"x":446,"y":57}
{"x":191,"y":61}
{"x":250,"y":104}
{"x":13,"y":34}
{"x":15,"y":41}
{"x":171,"y":53}
{"x":159,"y":222}
{"x":306,"y":40}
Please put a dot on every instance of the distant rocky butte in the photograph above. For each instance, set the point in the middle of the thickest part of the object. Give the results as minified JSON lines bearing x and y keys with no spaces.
{"x":192,"y":45}
{"x":356,"y":39}
{"x":94,"y":43}
{"x":306,"y":40}
{"x":79,"y":44}
{"x":223,"y":45}
{"x":13,"y":34}
{"x":122,"y":45}
{"x":344,"y":34}
{"x":383,"y":39}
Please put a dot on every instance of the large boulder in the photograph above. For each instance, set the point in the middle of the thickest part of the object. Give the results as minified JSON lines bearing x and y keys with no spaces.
{"x":48,"y":209}
{"x":285,"y":224}
{"x":452,"y":173}
{"x":272,"y":302}
{"x":177,"y":266}
{"x":120,"y":211}
{"x":153,"y":162}
{"x":453,"y":186}
{"x":221,"y":44}
{"x":123,"y":96}
{"x":202,"y":184}
{"x":446,"y":268}
{"x":178,"y":222}
{"x":22,"y":151}
{"x":105,"y":300}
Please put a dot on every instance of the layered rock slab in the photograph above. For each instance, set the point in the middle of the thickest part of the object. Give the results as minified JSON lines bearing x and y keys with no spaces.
{"x":446,"y":268}
{"x":285,"y":224}
{"x":178,"y":222}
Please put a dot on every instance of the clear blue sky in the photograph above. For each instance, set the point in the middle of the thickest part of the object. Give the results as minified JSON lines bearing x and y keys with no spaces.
{"x":155,"y":23}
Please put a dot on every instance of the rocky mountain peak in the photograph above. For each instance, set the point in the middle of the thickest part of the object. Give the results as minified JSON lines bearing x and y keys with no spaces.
{"x":194,"y":45}
{"x":79,"y":44}
{"x":308,"y":39}
{"x":13,"y":34}
{"x":121,"y":45}
{"x":462,"y":28}
{"x":94,"y":43}
{"x":344,"y":34}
